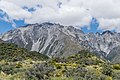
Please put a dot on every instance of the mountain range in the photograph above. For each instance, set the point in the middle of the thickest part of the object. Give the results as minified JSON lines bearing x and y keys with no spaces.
{"x":56,"y":40}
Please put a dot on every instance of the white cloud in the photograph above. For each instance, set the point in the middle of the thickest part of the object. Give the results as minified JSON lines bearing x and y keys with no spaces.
{"x":109,"y":24}
{"x":71,"y":12}
{"x":13,"y":12}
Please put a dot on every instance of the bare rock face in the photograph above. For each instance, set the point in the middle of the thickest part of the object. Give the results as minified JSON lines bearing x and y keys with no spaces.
{"x":57,"y":40}
{"x":1,"y":41}
{"x":47,"y":38}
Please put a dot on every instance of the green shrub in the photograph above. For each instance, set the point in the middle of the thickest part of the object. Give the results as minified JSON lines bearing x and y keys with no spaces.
{"x":19,"y":65}
{"x":58,"y":67}
{"x":107,"y":70}
{"x":116,"y":66}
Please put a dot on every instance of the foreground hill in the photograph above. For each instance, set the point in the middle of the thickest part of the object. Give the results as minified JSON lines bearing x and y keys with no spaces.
{"x":81,"y":66}
{"x":11,"y":52}
{"x":20,"y":64}
{"x":15,"y":61}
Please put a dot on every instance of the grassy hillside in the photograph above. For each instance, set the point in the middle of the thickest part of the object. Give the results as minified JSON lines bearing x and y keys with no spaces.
{"x":15,"y":61}
{"x":11,"y":52}
{"x":20,"y":64}
{"x":81,"y":66}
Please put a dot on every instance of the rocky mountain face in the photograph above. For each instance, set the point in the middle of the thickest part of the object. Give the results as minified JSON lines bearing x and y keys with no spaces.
{"x":57,"y":40}
{"x":114,"y":55}
{"x":1,"y":41}
{"x":104,"y":42}
{"x":47,"y":38}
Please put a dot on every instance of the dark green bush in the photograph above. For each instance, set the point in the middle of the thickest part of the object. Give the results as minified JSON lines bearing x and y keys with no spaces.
{"x":107,"y":70}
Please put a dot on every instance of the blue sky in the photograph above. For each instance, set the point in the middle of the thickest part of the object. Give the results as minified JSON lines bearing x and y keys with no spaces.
{"x":6,"y":26}
{"x":94,"y":24}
